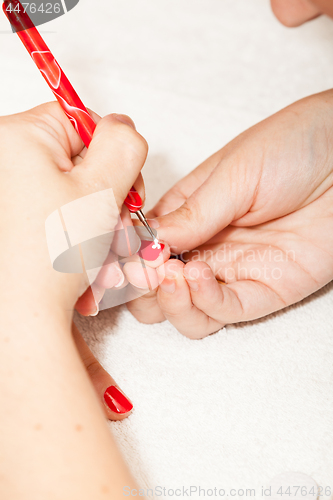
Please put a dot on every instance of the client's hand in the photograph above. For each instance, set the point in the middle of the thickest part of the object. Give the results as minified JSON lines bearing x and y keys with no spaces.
{"x":43,"y":168}
{"x":257,"y":215}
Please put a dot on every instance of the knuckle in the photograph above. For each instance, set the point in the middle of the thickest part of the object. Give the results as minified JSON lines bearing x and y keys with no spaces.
{"x":125,"y":134}
{"x":93,"y":367}
{"x":195,"y":269}
{"x":138,"y":142}
{"x":190,"y":213}
{"x":171,"y":309}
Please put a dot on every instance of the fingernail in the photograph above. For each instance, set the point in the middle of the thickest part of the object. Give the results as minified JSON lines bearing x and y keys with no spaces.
{"x":168,"y":285}
{"x":125,"y":119}
{"x":121,"y":279}
{"x":153,"y":223}
{"x":96,"y":311}
{"x":194,"y":285}
{"x":116,"y":400}
{"x":149,"y":251}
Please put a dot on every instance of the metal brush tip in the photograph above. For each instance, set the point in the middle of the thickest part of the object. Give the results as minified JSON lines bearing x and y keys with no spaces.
{"x":144,"y":221}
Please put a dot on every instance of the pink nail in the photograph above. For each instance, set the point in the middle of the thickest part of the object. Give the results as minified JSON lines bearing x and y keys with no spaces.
{"x":121,"y":279}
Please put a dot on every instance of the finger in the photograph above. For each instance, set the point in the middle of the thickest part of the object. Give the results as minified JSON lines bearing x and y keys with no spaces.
{"x":102,"y":180}
{"x":58,"y":128}
{"x":242,"y":300}
{"x":77,"y":159}
{"x":88,"y":303}
{"x":115,"y":404}
{"x":114,"y":159}
{"x":126,"y":241}
{"x":138,"y":184}
{"x":110,"y":276}
{"x":225,"y":196}
{"x":174,"y":299}
{"x":292,"y":14}
{"x":153,"y":256}
{"x":150,"y":257}
{"x":142,"y":273}
{"x":141,"y":276}
{"x":146,"y":309}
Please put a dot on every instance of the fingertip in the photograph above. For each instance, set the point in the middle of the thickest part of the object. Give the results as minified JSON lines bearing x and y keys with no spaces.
{"x":140,"y":276}
{"x":197,"y":270}
{"x":199,"y":277}
{"x":110,"y":276}
{"x":124,"y":119}
{"x":126,"y":129}
{"x":171,"y":276}
{"x":87,"y":304}
{"x":126,"y":241}
{"x":174,"y":267}
{"x":118,"y":405}
{"x":153,"y":256}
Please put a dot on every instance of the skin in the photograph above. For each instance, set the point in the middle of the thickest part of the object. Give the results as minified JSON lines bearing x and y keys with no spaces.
{"x":49,"y":407}
{"x":267,"y":231}
{"x":293,"y":13}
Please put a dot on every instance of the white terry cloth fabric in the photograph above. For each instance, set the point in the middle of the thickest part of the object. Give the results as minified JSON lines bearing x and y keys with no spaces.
{"x":253,"y":400}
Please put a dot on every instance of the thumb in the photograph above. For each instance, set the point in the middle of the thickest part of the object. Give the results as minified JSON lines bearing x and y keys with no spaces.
{"x":225,"y":196}
{"x":100,"y":183}
{"x":114,"y":158}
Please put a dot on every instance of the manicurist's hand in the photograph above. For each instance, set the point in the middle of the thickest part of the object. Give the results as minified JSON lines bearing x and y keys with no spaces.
{"x":60,"y":207}
{"x":257,"y":215}
{"x":43,"y":168}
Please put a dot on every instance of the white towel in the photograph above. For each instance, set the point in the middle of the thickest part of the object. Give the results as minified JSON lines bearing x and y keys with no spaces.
{"x":253,"y":400}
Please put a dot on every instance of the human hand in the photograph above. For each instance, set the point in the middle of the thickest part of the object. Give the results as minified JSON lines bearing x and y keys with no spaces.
{"x":257,"y":215}
{"x":44,"y":167}
{"x":39,"y":147}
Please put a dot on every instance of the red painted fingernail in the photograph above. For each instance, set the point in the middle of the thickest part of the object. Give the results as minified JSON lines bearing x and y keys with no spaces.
{"x":116,"y":400}
{"x":149,"y":251}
